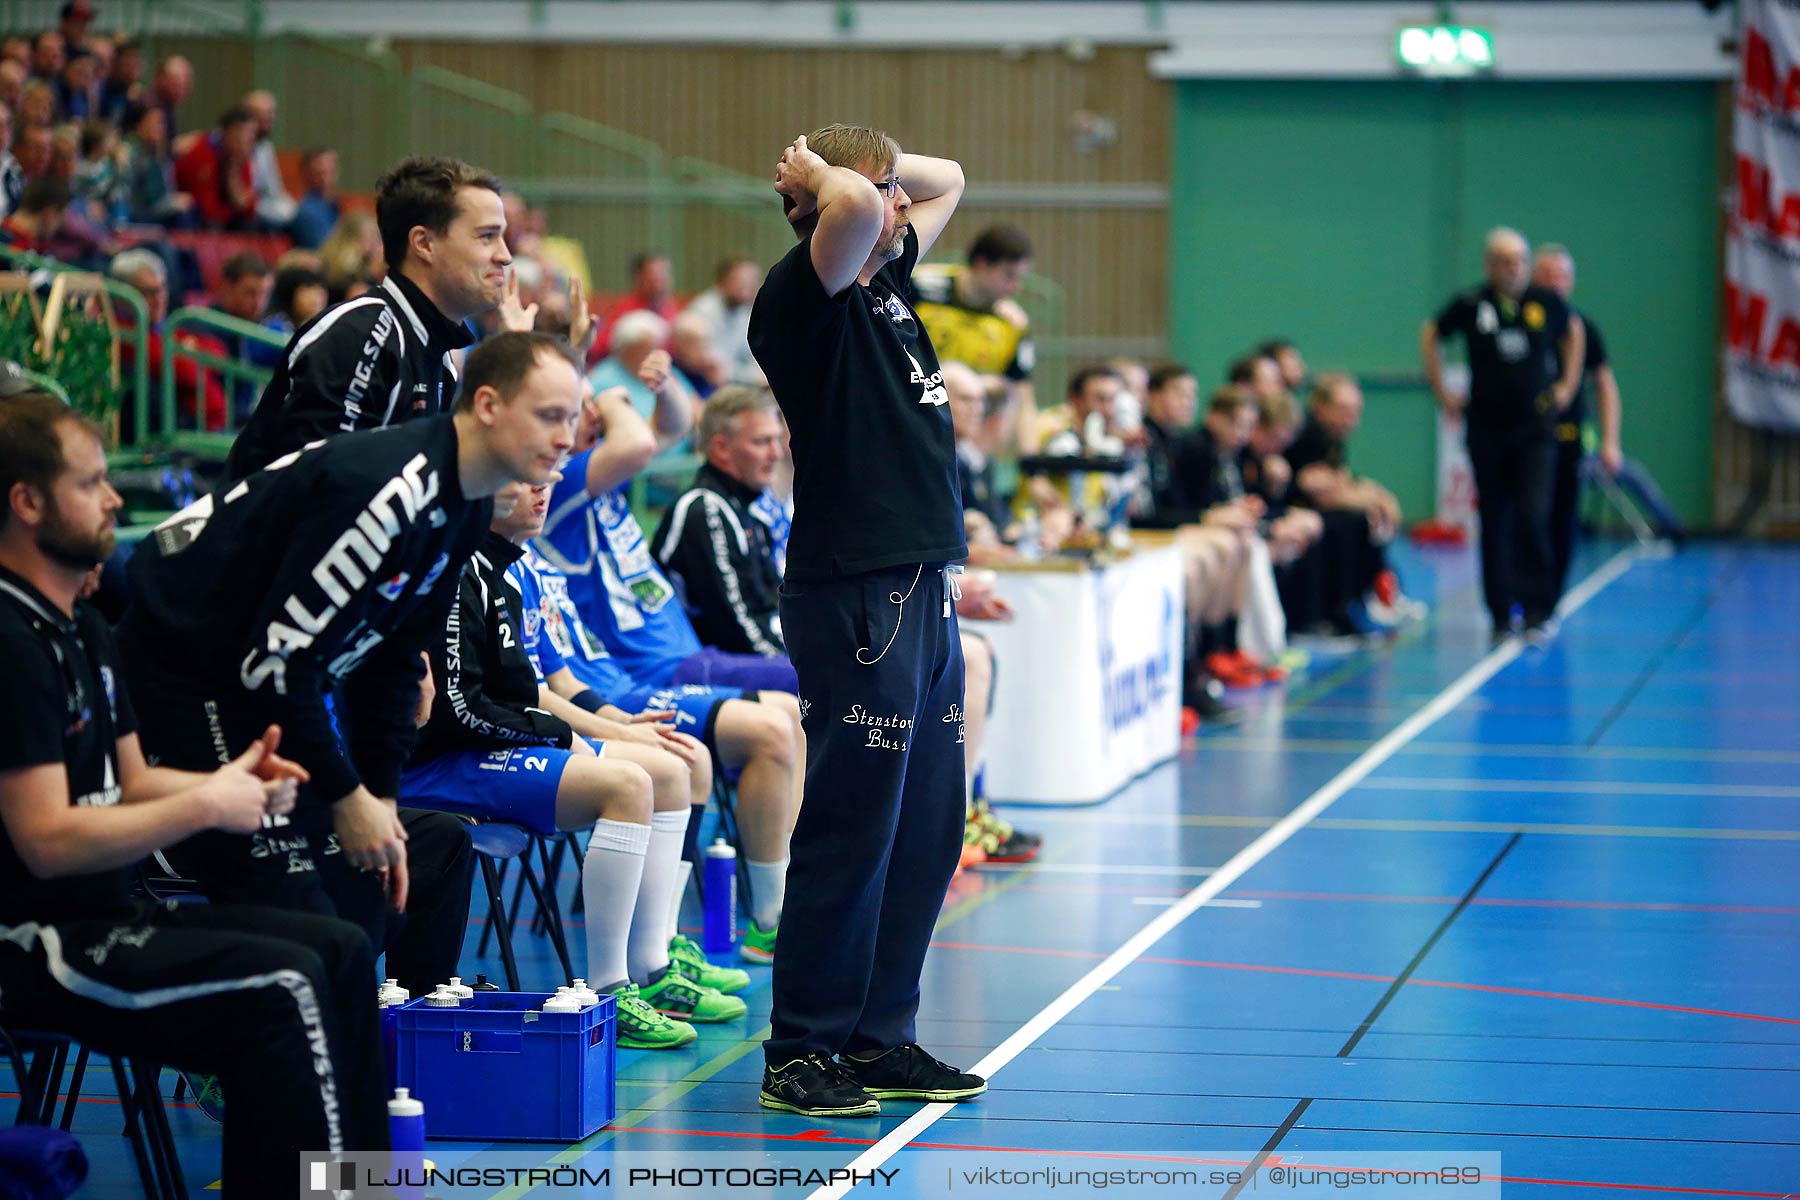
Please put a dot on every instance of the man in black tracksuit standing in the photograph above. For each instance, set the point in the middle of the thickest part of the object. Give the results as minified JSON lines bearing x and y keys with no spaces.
{"x":232,"y":629}
{"x":1525,"y":356}
{"x":867,"y":608}
{"x":386,"y":357}
{"x":380,"y":360}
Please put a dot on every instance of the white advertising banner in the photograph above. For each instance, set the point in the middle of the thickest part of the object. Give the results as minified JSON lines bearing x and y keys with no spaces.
{"x":1088,"y":678}
{"x":1762,"y":244}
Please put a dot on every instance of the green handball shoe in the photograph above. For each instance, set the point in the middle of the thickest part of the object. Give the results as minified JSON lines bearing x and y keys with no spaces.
{"x":675,"y":995}
{"x":758,"y":945}
{"x":641,"y":1027}
{"x":684,"y":950}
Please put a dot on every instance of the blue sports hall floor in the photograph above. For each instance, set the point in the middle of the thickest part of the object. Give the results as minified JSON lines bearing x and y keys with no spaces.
{"x":1427,"y":899}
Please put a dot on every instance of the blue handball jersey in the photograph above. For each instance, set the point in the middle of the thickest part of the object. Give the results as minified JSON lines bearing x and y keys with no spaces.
{"x":563,"y":641}
{"x":620,"y":593}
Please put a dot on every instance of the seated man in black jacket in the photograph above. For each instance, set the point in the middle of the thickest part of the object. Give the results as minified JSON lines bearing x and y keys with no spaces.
{"x":713,"y":537}
{"x":1212,"y":531}
{"x":303,"y":596}
{"x":500,"y":746}
{"x":276,"y":1001}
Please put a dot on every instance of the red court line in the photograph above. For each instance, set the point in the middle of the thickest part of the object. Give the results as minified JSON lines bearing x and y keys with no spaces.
{"x":1415,"y":982}
{"x":823,"y":1137}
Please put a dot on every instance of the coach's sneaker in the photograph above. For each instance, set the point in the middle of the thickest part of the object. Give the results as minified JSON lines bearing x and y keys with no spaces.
{"x":908,"y":1073}
{"x":815,"y":1086}
{"x":758,"y":945}
{"x":673,"y":994}
{"x":641,"y":1027}
{"x":687,"y":952}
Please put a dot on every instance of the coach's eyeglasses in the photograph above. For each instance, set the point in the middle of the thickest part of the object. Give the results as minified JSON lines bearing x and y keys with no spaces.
{"x":889,"y":186}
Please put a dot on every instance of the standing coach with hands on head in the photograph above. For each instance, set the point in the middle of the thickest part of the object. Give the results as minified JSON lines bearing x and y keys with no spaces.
{"x":1525,"y":354}
{"x":867,"y":607}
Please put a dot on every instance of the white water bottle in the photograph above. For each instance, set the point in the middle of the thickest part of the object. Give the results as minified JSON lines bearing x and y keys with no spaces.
{"x":443,"y":997}
{"x":563,"y":1002}
{"x":584,"y":995}
{"x":461,"y":989}
{"x":391,"y":995}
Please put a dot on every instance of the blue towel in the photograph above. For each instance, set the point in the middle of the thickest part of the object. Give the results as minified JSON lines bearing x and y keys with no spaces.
{"x":39,"y":1163}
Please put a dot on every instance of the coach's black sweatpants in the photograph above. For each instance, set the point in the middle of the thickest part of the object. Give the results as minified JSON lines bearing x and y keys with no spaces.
{"x":277,"y":1004}
{"x":296,"y":865}
{"x":1565,"y":509}
{"x":1514,"y":482}
{"x":878,"y":838}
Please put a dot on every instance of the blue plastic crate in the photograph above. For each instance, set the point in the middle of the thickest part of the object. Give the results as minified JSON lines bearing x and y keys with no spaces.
{"x":499,"y":1069}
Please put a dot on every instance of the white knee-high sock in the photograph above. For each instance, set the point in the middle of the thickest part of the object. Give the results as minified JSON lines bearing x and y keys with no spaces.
{"x":648,"y":950}
{"x":684,"y":871}
{"x":768,"y":887}
{"x":611,"y":873}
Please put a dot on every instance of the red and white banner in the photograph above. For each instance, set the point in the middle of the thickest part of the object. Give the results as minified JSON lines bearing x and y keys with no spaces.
{"x":1762,"y":245}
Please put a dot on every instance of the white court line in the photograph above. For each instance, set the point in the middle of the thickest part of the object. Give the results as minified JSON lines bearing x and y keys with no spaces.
{"x":1100,"y":869}
{"x":1446,"y":700}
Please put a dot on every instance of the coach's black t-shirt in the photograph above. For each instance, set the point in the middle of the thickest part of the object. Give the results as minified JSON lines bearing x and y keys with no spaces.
{"x":1512,"y":349}
{"x":62,"y":702}
{"x":1568,"y":427}
{"x":874,"y":452}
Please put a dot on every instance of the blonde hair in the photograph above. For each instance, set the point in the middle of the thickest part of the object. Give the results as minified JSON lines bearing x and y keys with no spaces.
{"x":853,"y":145}
{"x":1279,"y":411}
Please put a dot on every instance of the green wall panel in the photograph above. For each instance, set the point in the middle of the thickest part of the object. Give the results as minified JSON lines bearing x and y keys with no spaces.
{"x":1343,"y":214}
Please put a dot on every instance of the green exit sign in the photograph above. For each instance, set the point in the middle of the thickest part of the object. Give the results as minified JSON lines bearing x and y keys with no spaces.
{"x":1445,"y":50}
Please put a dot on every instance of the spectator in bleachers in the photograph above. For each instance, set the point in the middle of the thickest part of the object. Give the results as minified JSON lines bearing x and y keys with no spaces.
{"x":652,"y":290}
{"x":1260,"y":373}
{"x":78,"y":89}
{"x":73,"y":22}
{"x":725,"y":309}
{"x":104,"y":50}
{"x":123,"y":83}
{"x":1091,"y":392}
{"x":82,"y":239}
{"x":274,"y":207}
{"x":12,"y":82}
{"x":32,"y":147}
{"x":97,"y":180}
{"x":316,"y":213}
{"x":215,"y":171}
{"x":352,"y":253}
{"x":37,"y":104}
{"x":41,"y":208}
{"x":49,"y":54}
{"x":1287,"y":356}
{"x":168,"y":91}
{"x":12,"y":175}
{"x":972,"y":316}
{"x":149,"y":173}
{"x":17,"y":49}
{"x":198,"y":395}
{"x":691,"y":351}
{"x":640,"y":365}
{"x":243,"y":292}
{"x":297,"y":297}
